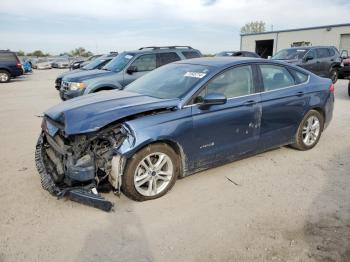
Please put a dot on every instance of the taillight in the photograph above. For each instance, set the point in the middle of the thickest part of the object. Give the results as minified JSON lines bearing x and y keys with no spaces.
{"x":331,"y":88}
{"x":18,"y":65}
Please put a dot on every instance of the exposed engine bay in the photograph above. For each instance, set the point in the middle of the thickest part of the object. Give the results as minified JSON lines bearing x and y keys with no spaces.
{"x":78,"y":166}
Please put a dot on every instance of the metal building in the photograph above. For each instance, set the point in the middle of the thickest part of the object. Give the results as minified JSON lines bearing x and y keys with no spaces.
{"x":268,"y":43}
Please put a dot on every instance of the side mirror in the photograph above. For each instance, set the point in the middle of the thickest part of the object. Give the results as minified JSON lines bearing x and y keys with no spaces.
{"x":213,"y":99}
{"x":344,"y":54}
{"x":308,"y":58}
{"x":131,"y":70}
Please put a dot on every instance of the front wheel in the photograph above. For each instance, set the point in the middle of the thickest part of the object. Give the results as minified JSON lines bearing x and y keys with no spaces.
{"x":309,"y":131}
{"x":151,"y":172}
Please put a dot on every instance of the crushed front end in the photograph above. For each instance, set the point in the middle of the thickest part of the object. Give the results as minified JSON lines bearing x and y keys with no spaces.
{"x":77,"y":166}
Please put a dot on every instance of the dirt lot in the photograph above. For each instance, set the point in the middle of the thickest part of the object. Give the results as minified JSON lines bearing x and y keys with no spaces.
{"x":287,"y":205}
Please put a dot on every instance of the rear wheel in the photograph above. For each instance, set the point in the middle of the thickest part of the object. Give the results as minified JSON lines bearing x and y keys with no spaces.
{"x":333,"y":75}
{"x":4,"y":76}
{"x":309,"y":131}
{"x":151,"y":172}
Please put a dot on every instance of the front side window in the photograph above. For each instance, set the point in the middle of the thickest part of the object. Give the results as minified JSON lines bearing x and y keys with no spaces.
{"x":322,"y":52}
{"x":167,"y":58}
{"x":145,"y":63}
{"x":232,"y":83}
{"x":275,"y":77}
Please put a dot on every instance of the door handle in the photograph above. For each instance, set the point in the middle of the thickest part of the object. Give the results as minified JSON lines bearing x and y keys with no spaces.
{"x":249,"y":102}
{"x":300,"y":93}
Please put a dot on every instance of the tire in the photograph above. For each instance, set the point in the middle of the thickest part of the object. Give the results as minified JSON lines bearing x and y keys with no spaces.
{"x":349,"y":88}
{"x":300,"y":137}
{"x":4,"y":76}
{"x":135,"y":170}
{"x":334,"y":75}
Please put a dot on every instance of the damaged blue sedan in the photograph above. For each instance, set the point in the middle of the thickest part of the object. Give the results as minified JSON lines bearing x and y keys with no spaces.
{"x":177,"y":120}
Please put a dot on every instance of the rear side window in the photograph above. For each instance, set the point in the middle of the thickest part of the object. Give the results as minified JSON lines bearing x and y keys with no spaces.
{"x":299,"y":77}
{"x":8,"y":57}
{"x":275,"y":77}
{"x":322,"y":52}
{"x":166,"y":58}
{"x":190,"y":54}
{"x":331,"y":52}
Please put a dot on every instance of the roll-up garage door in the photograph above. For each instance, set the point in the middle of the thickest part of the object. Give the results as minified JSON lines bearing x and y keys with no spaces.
{"x":345,"y":43}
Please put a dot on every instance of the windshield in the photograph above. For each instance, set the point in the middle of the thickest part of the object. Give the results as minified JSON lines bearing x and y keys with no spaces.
{"x":289,"y":54}
{"x":94,"y":64}
{"x":119,"y":62}
{"x":169,"y":81}
{"x":225,"y":53}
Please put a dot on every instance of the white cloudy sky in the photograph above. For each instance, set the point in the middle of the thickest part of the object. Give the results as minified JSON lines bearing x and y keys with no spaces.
{"x":106,"y":25}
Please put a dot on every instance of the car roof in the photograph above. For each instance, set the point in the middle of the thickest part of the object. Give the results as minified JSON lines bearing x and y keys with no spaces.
{"x":220,"y":61}
{"x":309,"y":47}
{"x":146,"y":50}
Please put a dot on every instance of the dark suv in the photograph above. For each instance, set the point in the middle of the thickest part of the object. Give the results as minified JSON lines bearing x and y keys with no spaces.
{"x":123,"y":69}
{"x":10,"y":66}
{"x":324,"y":61}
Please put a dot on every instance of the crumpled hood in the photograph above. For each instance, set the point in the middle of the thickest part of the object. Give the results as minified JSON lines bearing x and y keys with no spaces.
{"x":91,"y":112}
{"x":86,"y":74}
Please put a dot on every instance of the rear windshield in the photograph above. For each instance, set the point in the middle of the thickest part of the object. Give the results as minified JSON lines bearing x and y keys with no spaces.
{"x":8,"y":57}
{"x":290,"y":54}
{"x":190,"y":54}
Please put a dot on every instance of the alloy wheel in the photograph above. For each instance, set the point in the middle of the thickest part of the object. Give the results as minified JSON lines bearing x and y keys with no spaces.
{"x":4,"y":77}
{"x":153,"y":174}
{"x":311,"y":130}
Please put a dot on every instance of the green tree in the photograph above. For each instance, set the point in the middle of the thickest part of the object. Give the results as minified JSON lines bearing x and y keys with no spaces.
{"x":81,"y":51}
{"x":253,"y":27}
{"x":20,"y":53}
{"x":38,"y":53}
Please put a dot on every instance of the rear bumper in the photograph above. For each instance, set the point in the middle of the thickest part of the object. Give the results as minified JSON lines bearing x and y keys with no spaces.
{"x":16,"y":72}
{"x":329,"y":110}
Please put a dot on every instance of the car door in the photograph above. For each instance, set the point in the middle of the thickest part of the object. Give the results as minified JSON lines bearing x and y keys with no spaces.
{"x":230,"y":130}
{"x":143,"y":64}
{"x":310,"y":62}
{"x":323,"y":59}
{"x":284,"y":99}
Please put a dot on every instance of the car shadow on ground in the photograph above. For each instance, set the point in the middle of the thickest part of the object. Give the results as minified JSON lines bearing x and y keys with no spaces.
{"x":122,"y":239}
{"x":327,"y":231}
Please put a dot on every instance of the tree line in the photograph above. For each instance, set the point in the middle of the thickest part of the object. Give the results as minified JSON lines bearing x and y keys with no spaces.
{"x":80,"y":51}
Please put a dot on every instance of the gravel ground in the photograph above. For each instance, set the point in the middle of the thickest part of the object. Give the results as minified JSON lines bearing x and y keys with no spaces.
{"x":287,"y":205}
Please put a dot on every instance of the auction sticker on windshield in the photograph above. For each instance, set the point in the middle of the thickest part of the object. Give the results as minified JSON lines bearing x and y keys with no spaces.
{"x":195,"y":74}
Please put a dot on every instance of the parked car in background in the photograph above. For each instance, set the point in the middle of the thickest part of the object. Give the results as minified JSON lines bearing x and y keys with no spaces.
{"x":324,"y":61}
{"x":344,"y":72}
{"x":181,"y":118}
{"x":27,"y":68}
{"x":123,"y":69}
{"x":10,"y":66}
{"x":98,"y":63}
{"x":237,"y":53}
{"x":60,"y":63}
{"x":76,"y":64}
{"x":43,"y":63}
